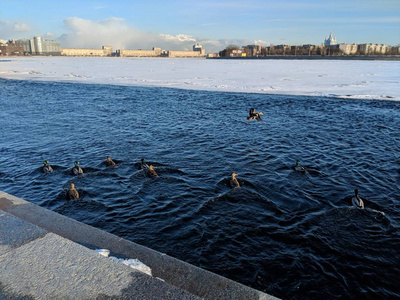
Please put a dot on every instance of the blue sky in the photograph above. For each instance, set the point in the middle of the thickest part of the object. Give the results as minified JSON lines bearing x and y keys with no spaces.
{"x":179,"y":24}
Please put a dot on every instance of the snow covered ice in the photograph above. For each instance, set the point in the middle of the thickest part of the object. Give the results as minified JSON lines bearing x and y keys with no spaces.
{"x":334,"y":78}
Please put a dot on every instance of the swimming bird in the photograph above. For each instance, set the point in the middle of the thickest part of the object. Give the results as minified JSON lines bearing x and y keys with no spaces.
{"x":356,"y":200}
{"x":299,"y":167}
{"x":253,"y":115}
{"x":143,"y":164}
{"x":76,"y":170}
{"x":234,"y":182}
{"x":73,"y":193}
{"x":110,"y":162}
{"x":151,"y":172}
{"x":47,"y":168}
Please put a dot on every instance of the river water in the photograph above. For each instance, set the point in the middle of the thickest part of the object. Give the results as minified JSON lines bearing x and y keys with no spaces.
{"x":294,"y":235}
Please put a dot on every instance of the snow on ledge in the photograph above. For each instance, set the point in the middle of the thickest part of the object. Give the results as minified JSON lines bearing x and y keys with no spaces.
{"x":132,"y":262}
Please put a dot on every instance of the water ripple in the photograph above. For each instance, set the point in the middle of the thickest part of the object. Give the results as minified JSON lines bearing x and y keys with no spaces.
{"x":291,"y":234}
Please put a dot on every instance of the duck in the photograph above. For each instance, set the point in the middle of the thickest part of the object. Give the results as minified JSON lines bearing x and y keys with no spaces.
{"x":356,"y":200}
{"x":234,"y":182}
{"x":151,"y":172}
{"x":253,"y":115}
{"x":299,"y":167}
{"x":47,"y":168}
{"x":143,"y":164}
{"x":73,"y":193}
{"x":110,"y":162}
{"x":76,"y":170}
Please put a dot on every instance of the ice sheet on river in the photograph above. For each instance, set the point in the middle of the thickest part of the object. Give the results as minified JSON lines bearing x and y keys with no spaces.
{"x":337,"y":78}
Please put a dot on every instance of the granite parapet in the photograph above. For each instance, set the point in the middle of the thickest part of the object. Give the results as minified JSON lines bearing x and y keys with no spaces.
{"x":175,"y":279}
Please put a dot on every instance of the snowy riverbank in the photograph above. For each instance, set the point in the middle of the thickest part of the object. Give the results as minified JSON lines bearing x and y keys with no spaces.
{"x":345,"y":79}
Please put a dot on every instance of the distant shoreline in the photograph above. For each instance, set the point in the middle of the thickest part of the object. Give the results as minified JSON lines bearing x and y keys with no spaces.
{"x":281,"y":57}
{"x":319,"y":57}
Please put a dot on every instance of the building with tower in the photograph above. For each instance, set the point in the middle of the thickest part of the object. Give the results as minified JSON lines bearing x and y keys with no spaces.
{"x":330,"y":41}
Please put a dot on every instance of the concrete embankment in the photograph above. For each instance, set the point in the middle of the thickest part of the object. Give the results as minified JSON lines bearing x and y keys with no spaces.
{"x":44,"y":255}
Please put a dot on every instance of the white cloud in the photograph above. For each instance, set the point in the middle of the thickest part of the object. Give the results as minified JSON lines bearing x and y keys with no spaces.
{"x":261,"y":42}
{"x":178,"y":38}
{"x":21,"y":27}
{"x":13,"y":29}
{"x":223,"y":43}
{"x":117,"y":33}
{"x":112,"y":31}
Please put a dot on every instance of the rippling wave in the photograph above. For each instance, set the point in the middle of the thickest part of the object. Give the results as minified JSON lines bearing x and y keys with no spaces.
{"x":288,"y":233}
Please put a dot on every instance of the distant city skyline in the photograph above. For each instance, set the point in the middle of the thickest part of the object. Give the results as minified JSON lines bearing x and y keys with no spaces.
{"x":178,"y":24}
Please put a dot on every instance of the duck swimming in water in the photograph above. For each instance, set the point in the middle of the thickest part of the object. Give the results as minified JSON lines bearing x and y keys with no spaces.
{"x":143,"y":164}
{"x":46,"y":167}
{"x":356,"y":200}
{"x":151,"y":172}
{"x":253,"y":115}
{"x":76,"y":170}
{"x":73,"y":193}
{"x":299,"y":167}
{"x":234,"y":182}
{"x":110,"y":162}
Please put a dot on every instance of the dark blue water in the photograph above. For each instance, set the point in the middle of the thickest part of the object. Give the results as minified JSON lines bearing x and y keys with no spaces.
{"x":287,"y":233}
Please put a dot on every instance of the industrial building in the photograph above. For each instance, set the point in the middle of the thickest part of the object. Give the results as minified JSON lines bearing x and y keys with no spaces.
{"x":192,"y":54}
{"x":198,"y":51}
{"x":10,"y":48}
{"x":156,"y":52}
{"x":104,"y":51}
{"x":39,"y":46}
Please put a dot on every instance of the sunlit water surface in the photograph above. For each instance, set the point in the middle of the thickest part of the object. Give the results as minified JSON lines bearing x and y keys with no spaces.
{"x":288,"y":233}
